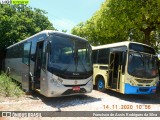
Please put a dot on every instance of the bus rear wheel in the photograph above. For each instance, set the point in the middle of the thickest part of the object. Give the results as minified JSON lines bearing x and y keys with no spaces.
{"x":101,"y":85}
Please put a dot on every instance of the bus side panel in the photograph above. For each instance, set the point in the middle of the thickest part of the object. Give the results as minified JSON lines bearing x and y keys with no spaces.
{"x":25,"y":77}
{"x":122,"y":84}
{"x":46,"y":80}
{"x":97,"y":72}
{"x":15,"y":68}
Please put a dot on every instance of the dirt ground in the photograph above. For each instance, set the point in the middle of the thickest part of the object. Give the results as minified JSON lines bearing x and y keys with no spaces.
{"x":95,"y":101}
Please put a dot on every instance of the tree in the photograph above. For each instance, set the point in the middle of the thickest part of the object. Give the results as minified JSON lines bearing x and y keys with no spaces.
{"x":121,"y":20}
{"x":18,"y":22}
{"x":65,"y":31}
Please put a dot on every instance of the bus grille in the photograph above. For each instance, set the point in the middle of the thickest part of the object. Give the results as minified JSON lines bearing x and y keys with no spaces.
{"x":143,"y":89}
{"x":143,"y":81}
{"x":70,"y":91}
{"x":74,"y":85}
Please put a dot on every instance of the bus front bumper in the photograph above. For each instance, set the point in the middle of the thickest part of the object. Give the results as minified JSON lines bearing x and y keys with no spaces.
{"x":62,"y":90}
{"x":139,"y":90}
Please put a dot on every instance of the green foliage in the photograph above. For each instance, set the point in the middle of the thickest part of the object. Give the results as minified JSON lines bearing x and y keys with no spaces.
{"x":9,"y":88}
{"x":121,"y":20}
{"x":65,"y":31}
{"x":18,"y":22}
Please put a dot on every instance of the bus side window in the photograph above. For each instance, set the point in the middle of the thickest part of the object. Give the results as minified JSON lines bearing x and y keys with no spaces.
{"x":103,"y":56}
{"x":94,"y":56}
{"x":26,"y":52}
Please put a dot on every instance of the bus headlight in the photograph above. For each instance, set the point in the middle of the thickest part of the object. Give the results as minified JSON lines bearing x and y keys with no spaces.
{"x":90,"y":82}
{"x":56,"y":82}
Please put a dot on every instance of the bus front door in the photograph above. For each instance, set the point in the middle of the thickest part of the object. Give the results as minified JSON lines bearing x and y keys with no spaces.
{"x":38,"y":65}
{"x":115,"y":70}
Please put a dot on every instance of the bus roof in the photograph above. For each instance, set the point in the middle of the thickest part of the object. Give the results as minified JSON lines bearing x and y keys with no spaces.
{"x":47,"y":32}
{"x":126,"y":43}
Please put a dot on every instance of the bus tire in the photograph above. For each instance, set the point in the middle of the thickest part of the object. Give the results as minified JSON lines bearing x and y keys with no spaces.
{"x":101,"y":84}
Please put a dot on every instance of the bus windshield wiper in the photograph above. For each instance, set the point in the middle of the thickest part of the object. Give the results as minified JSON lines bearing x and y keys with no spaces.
{"x":141,"y":57}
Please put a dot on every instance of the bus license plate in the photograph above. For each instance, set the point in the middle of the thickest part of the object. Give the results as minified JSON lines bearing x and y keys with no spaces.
{"x":76,"y":88}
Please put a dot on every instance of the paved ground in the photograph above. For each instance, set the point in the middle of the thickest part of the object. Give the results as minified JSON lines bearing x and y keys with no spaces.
{"x":95,"y":101}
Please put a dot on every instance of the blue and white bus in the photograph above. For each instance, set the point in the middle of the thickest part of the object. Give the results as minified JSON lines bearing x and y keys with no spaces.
{"x":125,"y":67}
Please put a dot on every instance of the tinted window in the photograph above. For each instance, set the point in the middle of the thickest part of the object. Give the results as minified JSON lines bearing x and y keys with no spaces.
{"x":141,"y":48}
{"x":26,"y":53}
{"x":142,"y":65}
{"x":69,"y":57}
{"x":94,"y":56}
{"x":103,"y":56}
{"x":15,"y":51}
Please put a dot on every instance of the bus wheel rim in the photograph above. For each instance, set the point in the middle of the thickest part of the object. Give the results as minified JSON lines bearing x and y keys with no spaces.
{"x":100,"y":84}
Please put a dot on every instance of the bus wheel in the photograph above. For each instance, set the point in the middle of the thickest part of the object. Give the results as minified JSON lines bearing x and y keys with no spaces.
{"x":101,"y":85}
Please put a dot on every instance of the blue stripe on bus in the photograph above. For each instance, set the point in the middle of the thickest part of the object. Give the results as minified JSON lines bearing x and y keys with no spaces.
{"x":139,"y":90}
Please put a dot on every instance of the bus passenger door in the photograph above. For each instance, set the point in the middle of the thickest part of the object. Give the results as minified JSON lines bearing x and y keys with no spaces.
{"x":111,"y":68}
{"x":115,"y":70}
{"x":38,"y":64}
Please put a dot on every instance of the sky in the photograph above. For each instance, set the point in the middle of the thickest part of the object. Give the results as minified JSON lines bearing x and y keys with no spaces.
{"x":65,"y":14}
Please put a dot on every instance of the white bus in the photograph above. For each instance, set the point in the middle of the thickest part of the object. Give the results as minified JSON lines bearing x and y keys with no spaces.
{"x":125,"y":67}
{"x":53,"y":63}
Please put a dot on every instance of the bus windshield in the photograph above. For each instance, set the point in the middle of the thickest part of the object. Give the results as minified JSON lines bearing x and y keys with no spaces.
{"x":142,"y":65}
{"x":70,"y":56}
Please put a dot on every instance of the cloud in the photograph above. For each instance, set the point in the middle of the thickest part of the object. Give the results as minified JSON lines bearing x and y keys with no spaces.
{"x":63,"y":24}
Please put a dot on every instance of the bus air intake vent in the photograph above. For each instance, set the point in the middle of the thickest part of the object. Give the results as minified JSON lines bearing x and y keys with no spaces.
{"x":143,"y":81}
{"x":74,"y":85}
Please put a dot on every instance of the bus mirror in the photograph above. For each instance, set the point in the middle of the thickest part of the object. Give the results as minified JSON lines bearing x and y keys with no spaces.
{"x":49,"y":47}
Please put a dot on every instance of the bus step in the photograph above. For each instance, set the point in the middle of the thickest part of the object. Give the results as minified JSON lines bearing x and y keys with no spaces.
{"x":37,"y":90}
{"x":117,"y":90}
{"x":114,"y":85}
{"x":28,"y":93}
